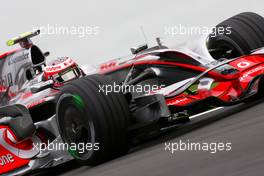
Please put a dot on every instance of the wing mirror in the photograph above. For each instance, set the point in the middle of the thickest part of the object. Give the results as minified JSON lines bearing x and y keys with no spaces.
{"x":138,"y":49}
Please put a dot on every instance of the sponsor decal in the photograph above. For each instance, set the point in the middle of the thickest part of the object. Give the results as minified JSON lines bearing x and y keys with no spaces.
{"x":6,"y":159}
{"x":59,"y":66}
{"x":15,"y":59}
{"x":245,"y":75}
{"x":243,"y":64}
{"x":50,"y":69}
{"x":108,"y":65}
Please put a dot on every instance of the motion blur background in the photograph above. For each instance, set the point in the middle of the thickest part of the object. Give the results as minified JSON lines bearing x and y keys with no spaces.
{"x":119,"y":23}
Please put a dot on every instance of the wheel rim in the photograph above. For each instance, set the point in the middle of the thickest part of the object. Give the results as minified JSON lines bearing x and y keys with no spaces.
{"x":224,"y":44}
{"x":227,"y":46}
{"x":75,"y":126}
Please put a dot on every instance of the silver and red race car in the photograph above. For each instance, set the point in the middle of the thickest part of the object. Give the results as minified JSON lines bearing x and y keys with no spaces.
{"x":96,"y":114}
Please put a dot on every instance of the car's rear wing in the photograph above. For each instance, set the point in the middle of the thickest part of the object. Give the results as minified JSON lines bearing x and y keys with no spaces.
{"x":23,"y":39}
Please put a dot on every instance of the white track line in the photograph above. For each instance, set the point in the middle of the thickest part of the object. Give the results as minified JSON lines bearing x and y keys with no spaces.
{"x":202,"y":113}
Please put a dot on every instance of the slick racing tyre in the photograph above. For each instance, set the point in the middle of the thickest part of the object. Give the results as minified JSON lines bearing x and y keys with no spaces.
{"x":88,"y":116}
{"x":242,"y":34}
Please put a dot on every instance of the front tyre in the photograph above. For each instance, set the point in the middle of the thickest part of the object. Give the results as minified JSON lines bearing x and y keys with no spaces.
{"x":87,"y":116}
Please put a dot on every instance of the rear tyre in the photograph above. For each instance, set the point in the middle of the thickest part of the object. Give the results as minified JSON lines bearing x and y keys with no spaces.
{"x":87,"y":116}
{"x":243,"y":34}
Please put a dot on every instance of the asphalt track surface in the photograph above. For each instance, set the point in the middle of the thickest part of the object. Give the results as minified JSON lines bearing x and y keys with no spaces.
{"x":242,"y":125}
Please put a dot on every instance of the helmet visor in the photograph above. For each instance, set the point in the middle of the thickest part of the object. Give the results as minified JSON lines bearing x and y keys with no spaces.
{"x":68,"y":75}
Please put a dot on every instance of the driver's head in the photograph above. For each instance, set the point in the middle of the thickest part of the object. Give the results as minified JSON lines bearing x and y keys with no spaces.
{"x":62,"y":70}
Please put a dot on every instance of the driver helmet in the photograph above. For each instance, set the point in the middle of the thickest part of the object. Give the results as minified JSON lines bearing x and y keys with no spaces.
{"x":62,"y":70}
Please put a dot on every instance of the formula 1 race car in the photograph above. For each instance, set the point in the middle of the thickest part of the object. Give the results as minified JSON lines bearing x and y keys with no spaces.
{"x":95,"y":116}
{"x":160,"y":87}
